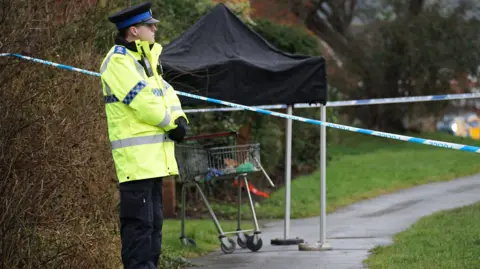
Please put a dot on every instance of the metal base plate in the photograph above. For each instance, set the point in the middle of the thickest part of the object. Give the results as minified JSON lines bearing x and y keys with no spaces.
{"x":284,"y":242}
{"x":318,"y":246}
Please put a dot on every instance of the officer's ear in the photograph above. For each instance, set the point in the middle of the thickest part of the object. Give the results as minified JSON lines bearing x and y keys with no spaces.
{"x":133,"y":31}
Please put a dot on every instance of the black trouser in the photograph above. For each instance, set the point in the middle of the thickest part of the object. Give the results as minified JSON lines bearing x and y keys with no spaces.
{"x":141,"y":219}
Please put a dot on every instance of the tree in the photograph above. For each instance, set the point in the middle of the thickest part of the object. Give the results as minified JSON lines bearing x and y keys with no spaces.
{"x":396,"y":48}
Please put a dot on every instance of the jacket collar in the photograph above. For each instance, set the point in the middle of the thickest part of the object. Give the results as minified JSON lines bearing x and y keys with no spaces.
{"x":129,"y":45}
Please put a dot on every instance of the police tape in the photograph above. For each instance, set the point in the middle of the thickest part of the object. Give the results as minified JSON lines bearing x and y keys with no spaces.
{"x":341,"y":127}
{"x":54,"y":64}
{"x":405,"y":99}
{"x":225,"y":109}
{"x":394,"y":100}
{"x":301,"y":105}
{"x":417,"y":140}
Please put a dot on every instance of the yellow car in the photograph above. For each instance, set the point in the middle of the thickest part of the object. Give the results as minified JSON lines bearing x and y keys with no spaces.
{"x":464,"y":126}
{"x":473,"y":126}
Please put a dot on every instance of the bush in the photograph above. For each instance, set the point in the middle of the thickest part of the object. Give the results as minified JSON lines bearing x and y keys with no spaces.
{"x":290,"y":39}
{"x":57,"y":201}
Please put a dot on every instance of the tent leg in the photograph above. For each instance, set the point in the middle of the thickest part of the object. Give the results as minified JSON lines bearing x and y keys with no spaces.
{"x":322,"y":244}
{"x":288,"y":174}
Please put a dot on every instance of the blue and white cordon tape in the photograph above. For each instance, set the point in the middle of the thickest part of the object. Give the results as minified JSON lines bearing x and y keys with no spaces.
{"x":417,"y":140}
{"x":51,"y":63}
{"x":377,"y":101}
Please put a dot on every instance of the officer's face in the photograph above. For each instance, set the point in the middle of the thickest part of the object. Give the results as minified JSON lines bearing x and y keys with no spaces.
{"x":146,"y":32}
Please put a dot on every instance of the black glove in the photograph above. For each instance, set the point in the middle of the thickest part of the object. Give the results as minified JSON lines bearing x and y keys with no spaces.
{"x":182,"y":121}
{"x":180,"y":131}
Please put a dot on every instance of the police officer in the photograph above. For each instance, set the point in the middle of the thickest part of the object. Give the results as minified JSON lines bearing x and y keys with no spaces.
{"x":145,"y":119}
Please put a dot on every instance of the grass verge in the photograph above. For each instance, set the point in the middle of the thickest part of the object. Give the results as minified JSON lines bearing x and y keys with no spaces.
{"x":447,"y":239}
{"x":361,"y":167}
{"x":204,"y":233}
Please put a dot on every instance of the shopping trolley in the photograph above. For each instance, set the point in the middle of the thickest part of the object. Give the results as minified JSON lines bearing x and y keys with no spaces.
{"x":198,"y":163}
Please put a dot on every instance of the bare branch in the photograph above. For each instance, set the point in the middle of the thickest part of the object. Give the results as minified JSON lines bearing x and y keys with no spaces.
{"x":338,"y":14}
{"x":341,"y":42}
{"x":349,"y":11}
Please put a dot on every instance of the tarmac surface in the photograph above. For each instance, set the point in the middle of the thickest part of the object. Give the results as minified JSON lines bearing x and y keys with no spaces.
{"x":351,"y":231}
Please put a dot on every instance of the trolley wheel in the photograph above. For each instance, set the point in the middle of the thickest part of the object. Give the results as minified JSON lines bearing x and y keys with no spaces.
{"x":188,"y":241}
{"x":231,"y":249}
{"x":252,"y":246}
{"x":242,"y":240}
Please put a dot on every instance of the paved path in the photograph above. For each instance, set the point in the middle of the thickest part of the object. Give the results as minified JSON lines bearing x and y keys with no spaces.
{"x":352,"y":231}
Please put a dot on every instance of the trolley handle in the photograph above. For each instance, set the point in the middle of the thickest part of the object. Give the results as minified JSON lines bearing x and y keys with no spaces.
{"x":214,"y":135}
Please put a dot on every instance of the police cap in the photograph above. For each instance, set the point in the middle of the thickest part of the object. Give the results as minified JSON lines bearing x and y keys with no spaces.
{"x":140,"y":13}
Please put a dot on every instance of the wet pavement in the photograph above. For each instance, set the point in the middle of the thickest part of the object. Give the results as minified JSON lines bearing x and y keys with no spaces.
{"x":351,"y":231}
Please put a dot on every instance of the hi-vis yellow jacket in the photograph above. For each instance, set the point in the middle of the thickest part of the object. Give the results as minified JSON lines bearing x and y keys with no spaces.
{"x":140,"y":108}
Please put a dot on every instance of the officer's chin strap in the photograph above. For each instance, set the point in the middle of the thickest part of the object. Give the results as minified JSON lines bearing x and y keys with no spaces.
{"x":159,"y":66}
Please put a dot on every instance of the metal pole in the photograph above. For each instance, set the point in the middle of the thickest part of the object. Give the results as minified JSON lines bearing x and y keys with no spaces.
{"x":288,"y":178}
{"x":322,"y":244}
{"x":288,"y":172}
{"x":323,"y":177}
